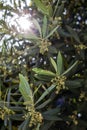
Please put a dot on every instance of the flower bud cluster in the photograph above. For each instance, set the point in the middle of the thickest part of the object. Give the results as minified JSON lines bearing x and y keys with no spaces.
{"x":44,"y":46}
{"x":35,"y":117}
{"x":74,"y":117}
{"x":82,"y":96}
{"x":59,"y":81}
{"x":5,"y":112}
{"x":80,"y":47}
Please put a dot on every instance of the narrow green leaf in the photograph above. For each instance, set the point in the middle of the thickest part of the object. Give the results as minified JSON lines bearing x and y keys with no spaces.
{"x":60,"y":10}
{"x":54,"y":111}
{"x":53,"y":118}
{"x":59,"y":63}
{"x":17,"y":117}
{"x":26,"y":124}
{"x":73,"y":34}
{"x":47,"y":91}
{"x":47,"y":125}
{"x":43,"y":104}
{"x":41,"y":7}
{"x":72,"y":84}
{"x":21,"y":126}
{"x":53,"y":64}
{"x":37,"y":26}
{"x":85,"y":36}
{"x":25,"y":89}
{"x":50,"y":10}
{"x":63,"y":33}
{"x":9,"y":124}
{"x":70,"y":68}
{"x":43,"y":77}
{"x":31,"y":36}
{"x":52,"y":50}
{"x":56,"y":7}
{"x":51,"y":33}
{"x":36,"y":90}
{"x":44,"y":27}
{"x":43,"y":72}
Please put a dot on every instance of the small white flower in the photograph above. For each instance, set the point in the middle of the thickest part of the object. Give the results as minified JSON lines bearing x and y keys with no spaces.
{"x":79,"y":115}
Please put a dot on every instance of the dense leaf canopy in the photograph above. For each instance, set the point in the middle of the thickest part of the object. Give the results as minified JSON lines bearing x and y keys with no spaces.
{"x":43,"y":72}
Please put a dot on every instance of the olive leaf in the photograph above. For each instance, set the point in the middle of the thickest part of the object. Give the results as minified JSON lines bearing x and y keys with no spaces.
{"x":53,"y":64}
{"x":59,"y":63}
{"x":73,"y":34}
{"x":25,"y":89}
{"x":41,"y":7}
{"x":47,"y":91}
{"x":43,"y":72}
{"x":44,"y":26}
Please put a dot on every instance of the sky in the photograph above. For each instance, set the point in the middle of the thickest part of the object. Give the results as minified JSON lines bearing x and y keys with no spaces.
{"x":28,"y":24}
{"x":9,"y":2}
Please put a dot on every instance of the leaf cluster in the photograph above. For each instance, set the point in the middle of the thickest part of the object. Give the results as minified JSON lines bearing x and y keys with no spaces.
{"x":43,"y":73}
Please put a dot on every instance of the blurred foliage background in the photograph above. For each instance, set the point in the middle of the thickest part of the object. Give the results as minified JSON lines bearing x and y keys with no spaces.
{"x":43,"y":72}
